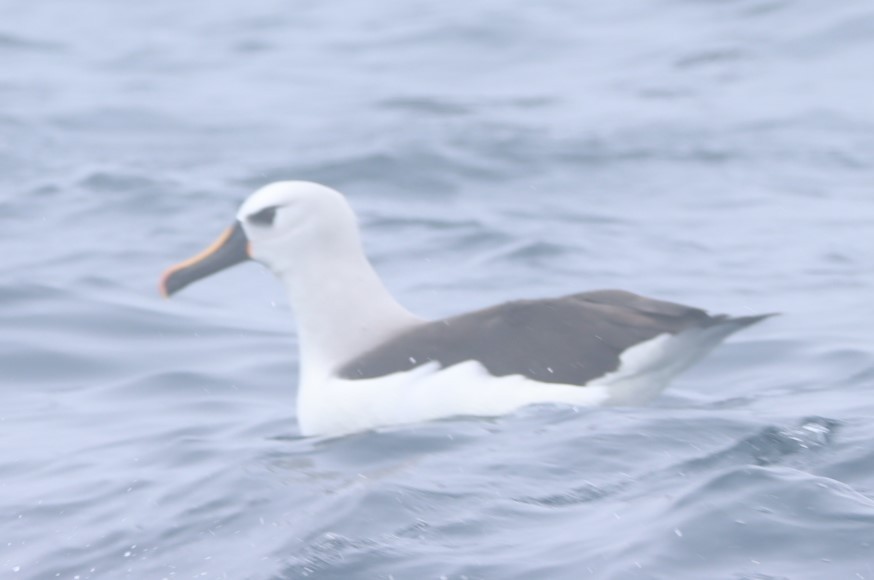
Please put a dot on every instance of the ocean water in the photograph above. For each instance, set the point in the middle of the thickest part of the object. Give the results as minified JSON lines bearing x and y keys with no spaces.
{"x":719,"y":154}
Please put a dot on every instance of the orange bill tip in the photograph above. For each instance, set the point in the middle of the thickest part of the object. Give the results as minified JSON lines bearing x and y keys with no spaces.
{"x":230,"y":248}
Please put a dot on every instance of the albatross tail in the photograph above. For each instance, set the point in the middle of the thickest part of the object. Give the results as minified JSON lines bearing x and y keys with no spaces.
{"x":647,"y":368}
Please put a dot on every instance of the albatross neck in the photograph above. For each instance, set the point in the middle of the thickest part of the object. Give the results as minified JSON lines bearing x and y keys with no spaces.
{"x":341,"y":306}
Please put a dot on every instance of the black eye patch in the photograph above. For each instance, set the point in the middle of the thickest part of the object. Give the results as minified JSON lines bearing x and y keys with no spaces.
{"x":263,"y":217}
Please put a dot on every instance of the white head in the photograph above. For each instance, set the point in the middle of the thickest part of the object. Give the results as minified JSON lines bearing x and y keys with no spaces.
{"x":286,"y":220}
{"x":307,"y":234}
{"x":283,"y":225}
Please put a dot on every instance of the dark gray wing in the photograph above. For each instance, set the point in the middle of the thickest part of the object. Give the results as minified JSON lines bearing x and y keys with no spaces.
{"x":569,"y":340}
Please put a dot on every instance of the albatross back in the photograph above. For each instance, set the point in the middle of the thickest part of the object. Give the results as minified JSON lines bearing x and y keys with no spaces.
{"x":569,"y":340}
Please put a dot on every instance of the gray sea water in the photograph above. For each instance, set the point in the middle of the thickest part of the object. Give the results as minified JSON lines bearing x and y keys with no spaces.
{"x":719,"y":154}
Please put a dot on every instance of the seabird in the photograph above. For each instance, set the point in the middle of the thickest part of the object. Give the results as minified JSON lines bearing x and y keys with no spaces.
{"x":366,"y":362}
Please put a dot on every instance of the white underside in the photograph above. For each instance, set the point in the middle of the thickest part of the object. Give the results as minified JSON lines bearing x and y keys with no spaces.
{"x":338,"y":406}
{"x":328,"y":405}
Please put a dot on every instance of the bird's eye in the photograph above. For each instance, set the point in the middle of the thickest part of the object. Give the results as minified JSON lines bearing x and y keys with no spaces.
{"x":263,"y":217}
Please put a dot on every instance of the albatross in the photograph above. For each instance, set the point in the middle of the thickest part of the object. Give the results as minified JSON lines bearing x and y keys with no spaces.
{"x":366,"y":362}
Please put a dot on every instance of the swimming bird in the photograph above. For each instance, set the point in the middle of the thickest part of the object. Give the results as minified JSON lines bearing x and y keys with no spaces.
{"x":366,"y":362}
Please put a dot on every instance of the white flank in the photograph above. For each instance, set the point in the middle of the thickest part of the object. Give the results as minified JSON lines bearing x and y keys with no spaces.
{"x":336,"y":406}
{"x":329,"y":405}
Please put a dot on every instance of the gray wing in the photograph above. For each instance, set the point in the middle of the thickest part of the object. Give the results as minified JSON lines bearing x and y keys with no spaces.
{"x":569,"y":340}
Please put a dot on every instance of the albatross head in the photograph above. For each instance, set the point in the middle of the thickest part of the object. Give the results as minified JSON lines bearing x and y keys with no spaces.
{"x":277,"y":226}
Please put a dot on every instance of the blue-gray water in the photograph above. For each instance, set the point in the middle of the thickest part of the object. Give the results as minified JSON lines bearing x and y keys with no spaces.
{"x":719,"y":154}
